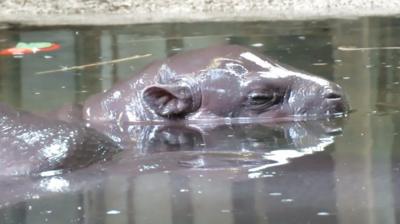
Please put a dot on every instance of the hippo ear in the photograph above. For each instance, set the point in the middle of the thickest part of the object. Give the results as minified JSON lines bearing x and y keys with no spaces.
{"x":171,"y":100}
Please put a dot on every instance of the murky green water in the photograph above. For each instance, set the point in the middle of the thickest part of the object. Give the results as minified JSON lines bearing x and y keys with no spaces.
{"x":352,"y":178}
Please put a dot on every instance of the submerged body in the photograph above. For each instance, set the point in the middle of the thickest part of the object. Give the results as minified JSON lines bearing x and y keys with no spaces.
{"x":32,"y":144}
{"x":227,"y":81}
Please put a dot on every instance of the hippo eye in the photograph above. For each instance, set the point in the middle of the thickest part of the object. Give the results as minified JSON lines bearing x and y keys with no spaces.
{"x":262,"y":99}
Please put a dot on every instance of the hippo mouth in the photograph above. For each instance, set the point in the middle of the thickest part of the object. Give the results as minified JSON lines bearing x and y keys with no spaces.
{"x":336,"y":105}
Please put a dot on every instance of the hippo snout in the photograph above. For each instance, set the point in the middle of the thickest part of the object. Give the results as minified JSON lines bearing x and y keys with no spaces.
{"x":333,"y":92}
{"x":335,"y":99}
{"x":333,"y":96}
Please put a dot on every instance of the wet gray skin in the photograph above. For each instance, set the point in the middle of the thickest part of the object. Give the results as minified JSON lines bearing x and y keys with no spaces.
{"x":31,"y":144}
{"x":207,"y":84}
{"x":226,"y":81}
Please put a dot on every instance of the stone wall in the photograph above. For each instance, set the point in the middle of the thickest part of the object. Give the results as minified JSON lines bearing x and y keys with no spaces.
{"x":55,"y":12}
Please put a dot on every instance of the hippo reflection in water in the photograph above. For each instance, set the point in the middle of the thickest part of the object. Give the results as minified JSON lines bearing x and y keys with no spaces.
{"x":207,"y":84}
{"x":239,"y":151}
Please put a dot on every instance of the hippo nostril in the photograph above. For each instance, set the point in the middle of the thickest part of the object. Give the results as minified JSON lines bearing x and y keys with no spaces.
{"x":333,"y":96}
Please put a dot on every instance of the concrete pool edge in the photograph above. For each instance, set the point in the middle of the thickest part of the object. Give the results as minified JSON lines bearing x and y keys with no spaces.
{"x":136,"y":18}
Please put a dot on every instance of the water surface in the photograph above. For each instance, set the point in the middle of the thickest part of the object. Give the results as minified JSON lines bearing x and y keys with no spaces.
{"x":340,"y":171}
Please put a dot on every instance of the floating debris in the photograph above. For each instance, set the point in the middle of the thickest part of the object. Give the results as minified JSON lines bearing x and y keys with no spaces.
{"x":81,"y":67}
{"x":319,"y":64}
{"x":349,"y":48}
{"x":257,"y":45}
{"x":23,"y":48}
{"x":113,"y":212}
{"x":287,"y":200}
{"x":275,"y":194}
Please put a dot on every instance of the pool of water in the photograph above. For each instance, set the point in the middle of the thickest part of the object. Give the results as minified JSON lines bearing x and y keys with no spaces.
{"x":328,"y":171}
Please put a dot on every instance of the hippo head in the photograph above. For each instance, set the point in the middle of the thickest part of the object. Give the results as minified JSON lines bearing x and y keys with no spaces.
{"x":246,"y":88}
{"x":227,"y":81}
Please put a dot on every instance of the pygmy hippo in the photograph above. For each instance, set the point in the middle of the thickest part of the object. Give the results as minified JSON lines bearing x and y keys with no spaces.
{"x":226,"y":81}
